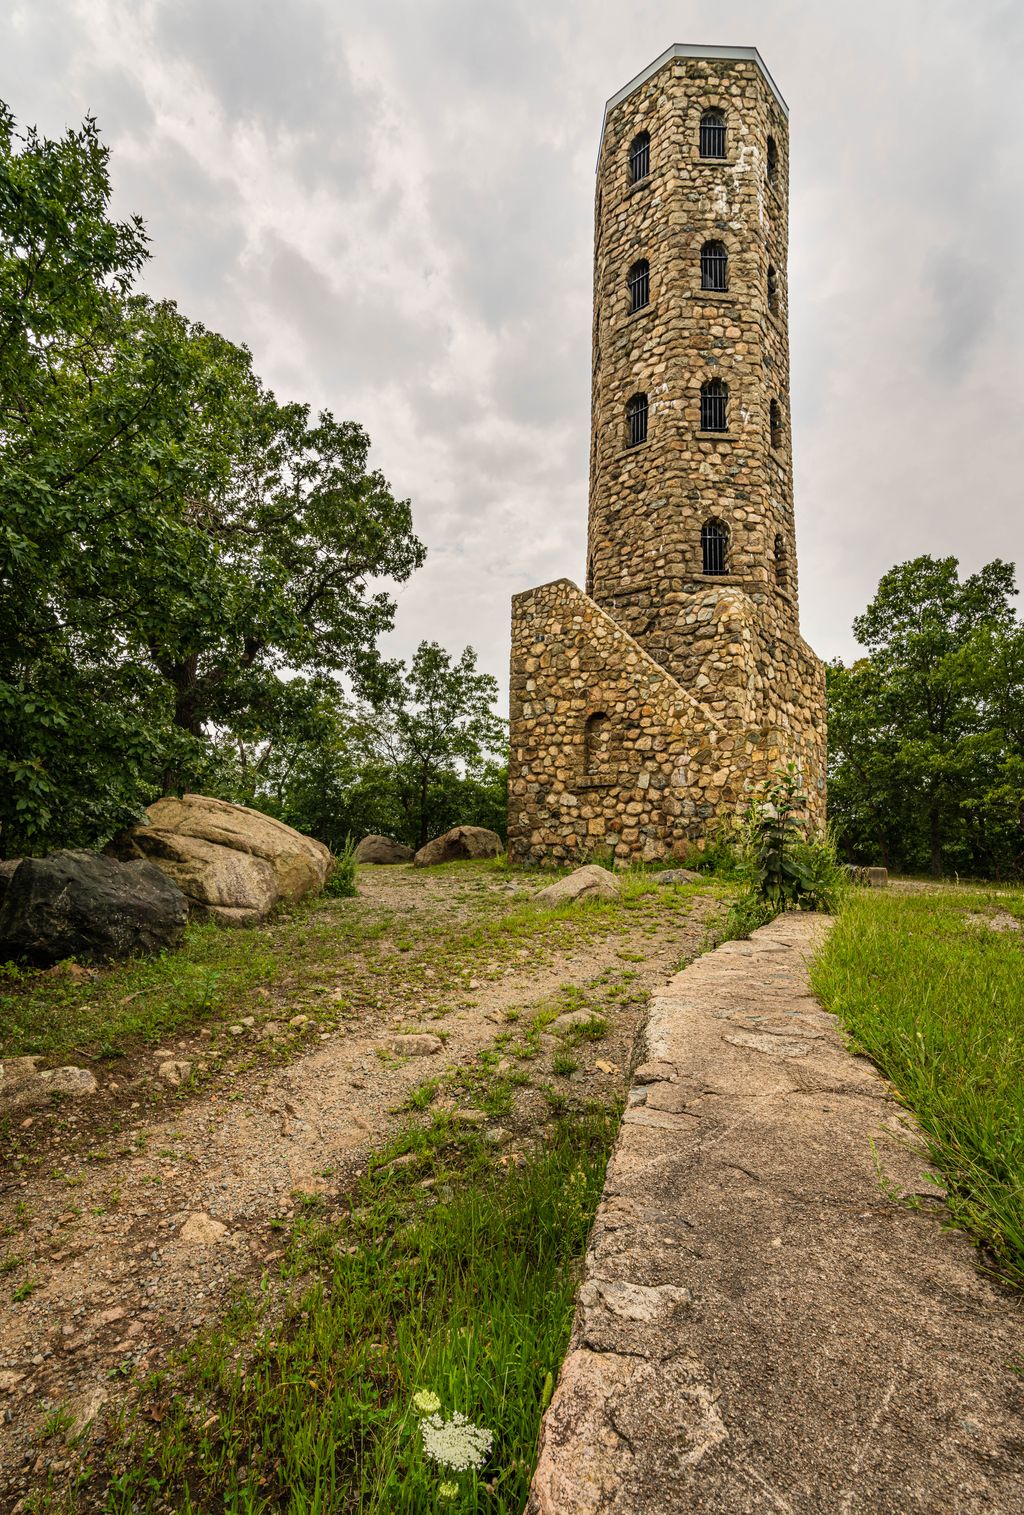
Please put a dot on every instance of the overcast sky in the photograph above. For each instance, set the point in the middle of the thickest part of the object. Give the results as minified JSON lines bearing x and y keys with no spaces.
{"x":392,"y":205}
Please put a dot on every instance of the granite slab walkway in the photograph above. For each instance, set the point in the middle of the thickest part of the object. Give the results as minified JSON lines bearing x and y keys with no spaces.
{"x":762,"y":1326}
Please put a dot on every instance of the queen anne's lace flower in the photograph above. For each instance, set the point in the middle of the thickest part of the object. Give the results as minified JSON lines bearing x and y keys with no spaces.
{"x":426,"y":1402}
{"x":457,"y":1443}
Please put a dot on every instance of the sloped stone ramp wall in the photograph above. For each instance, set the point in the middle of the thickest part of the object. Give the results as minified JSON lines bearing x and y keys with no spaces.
{"x":760,"y":1328}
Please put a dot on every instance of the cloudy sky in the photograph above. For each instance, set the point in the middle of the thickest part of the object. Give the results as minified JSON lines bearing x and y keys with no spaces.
{"x":392,"y":204}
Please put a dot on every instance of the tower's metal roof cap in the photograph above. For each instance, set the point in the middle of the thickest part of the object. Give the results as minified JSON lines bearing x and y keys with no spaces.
{"x":691,"y":50}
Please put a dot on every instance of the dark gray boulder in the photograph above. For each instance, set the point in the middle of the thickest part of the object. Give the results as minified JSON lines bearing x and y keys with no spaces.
{"x":83,"y":905}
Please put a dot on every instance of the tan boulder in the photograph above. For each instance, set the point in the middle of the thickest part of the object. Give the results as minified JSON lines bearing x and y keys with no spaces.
{"x":591,"y":882}
{"x":382,"y":849}
{"x":233,"y":864}
{"x":459,"y":843}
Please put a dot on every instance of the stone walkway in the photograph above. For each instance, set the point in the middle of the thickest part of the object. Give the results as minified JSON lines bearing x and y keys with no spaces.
{"x":763,"y":1326}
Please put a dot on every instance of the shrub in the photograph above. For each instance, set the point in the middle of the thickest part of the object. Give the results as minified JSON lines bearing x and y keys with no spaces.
{"x":341,"y":881}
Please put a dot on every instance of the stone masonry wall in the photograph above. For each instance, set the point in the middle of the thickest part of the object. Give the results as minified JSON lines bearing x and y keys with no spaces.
{"x":608,"y":751}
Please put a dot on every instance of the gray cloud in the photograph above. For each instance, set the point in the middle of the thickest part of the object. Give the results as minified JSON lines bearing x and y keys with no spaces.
{"x":392,"y":205}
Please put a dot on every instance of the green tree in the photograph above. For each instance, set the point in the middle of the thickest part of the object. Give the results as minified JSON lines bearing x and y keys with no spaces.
{"x":924,"y":732}
{"x":171,"y":537}
{"x":435,"y":728}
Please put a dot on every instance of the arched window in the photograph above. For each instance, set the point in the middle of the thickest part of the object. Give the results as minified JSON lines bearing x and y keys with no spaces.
{"x":773,"y":161}
{"x":714,"y":546}
{"x":713,"y":266}
{"x":639,"y":157}
{"x":714,"y":405}
{"x":712,"y":134}
{"x":775,"y":422}
{"x":781,"y":566}
{"x":596,"y":734}
{"x":773,"y":288}
{"x":638,"y":282}
{"x":636,"y":421}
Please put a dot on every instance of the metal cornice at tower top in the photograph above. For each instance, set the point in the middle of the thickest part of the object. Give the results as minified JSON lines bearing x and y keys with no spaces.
{"x":691,"y":50}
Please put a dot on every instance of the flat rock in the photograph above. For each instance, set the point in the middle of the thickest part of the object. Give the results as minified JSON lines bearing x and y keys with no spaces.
{"x":771,"y":1045}
{"x":201,"y":1230}
{"x":78,"y":1082}
{"x":681,"y":876}
{"x":653,"y":1073}
{"x":591,"y":882}
{"x":416,"y":1044}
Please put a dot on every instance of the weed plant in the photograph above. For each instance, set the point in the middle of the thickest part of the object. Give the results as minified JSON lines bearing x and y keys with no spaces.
{"x":938,"y":1003}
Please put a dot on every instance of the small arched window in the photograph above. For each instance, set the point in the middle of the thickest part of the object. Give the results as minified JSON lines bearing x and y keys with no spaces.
{"x":714,"y":266}
{"x":638,"y":282}
{"x":773,"y":288}
{"x":714,"y":546}
{"x":773,"y":161}
{"x":714,"y":405}
{"x":639,"y":157}
{"x":781,"y":566}
{"x":636,"y":421}
{"x":712,"y":134}
{"x":775,"y":422}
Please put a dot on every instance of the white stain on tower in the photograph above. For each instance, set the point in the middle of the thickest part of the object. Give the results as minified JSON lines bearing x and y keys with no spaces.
{"x":646,"y":709}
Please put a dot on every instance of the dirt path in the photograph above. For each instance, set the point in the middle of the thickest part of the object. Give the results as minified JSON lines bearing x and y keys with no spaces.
{"x":131,"y":1250}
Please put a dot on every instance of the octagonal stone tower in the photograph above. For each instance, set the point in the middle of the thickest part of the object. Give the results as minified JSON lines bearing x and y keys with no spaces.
{"x":645,"y":711}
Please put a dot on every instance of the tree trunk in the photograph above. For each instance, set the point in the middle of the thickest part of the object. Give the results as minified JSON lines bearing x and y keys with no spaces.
{"x":935,"y":837}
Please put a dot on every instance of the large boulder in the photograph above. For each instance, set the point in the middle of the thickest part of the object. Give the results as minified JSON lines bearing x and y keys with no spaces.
{"x":382,"y":849}
{"x":459,"y":843}
{"x":232,"y":863}
{"x":592,"y":882}
{"x":83,"y":905}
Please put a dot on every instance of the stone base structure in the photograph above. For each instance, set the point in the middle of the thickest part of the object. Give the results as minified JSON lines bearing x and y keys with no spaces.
{"x":646,"y":710}
{"x":611,"y":754}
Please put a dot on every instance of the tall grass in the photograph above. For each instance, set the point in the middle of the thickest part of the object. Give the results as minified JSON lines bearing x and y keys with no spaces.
{"x":463,"y":1288}
{"x":938,"y":1003}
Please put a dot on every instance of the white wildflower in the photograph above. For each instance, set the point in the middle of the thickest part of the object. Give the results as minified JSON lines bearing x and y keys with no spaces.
{"x":426,"y":1402}
{"x":457,"y":1443}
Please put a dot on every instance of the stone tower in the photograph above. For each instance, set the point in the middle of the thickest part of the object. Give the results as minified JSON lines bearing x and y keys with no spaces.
{"x":644,"y":711}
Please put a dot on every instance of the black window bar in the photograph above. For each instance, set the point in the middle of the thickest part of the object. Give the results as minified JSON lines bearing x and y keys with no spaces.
{"x":781,"y":574}
{"x":712,"y":134}
{"x":638,"y":282}
{"x":775,"y":422}
{"x":639,"y":157}
{"x":713,"y":266}
{"x":636,"y":420}
{"x":773,"y":161}
{"x":773,"y":288}
{"x":714,"y":546}
{"x":714,"y":396}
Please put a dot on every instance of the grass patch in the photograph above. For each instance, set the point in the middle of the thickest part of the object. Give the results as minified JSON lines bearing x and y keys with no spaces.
{"x":451,"y":1273}
{"x":937,"y":1003}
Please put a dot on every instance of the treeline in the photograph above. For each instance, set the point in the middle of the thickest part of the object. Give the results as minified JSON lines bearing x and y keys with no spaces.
{"x":926,"y":732}
{"x":191,"y":570}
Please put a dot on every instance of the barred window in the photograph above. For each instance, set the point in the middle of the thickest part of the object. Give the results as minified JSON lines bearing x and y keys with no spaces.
{"x":714,"y":546}
{"x":713,"y":266}
{"x":639,"y":157}
{"x":636,"y":421}
{"x":773,"y":161}
{"x":638,"y":282}
{"x":773,"y":288}
{"x":712,"y":134}
{"x":714,"y":399}
{"x":775,"y":422}
{"x":781,"y":566}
